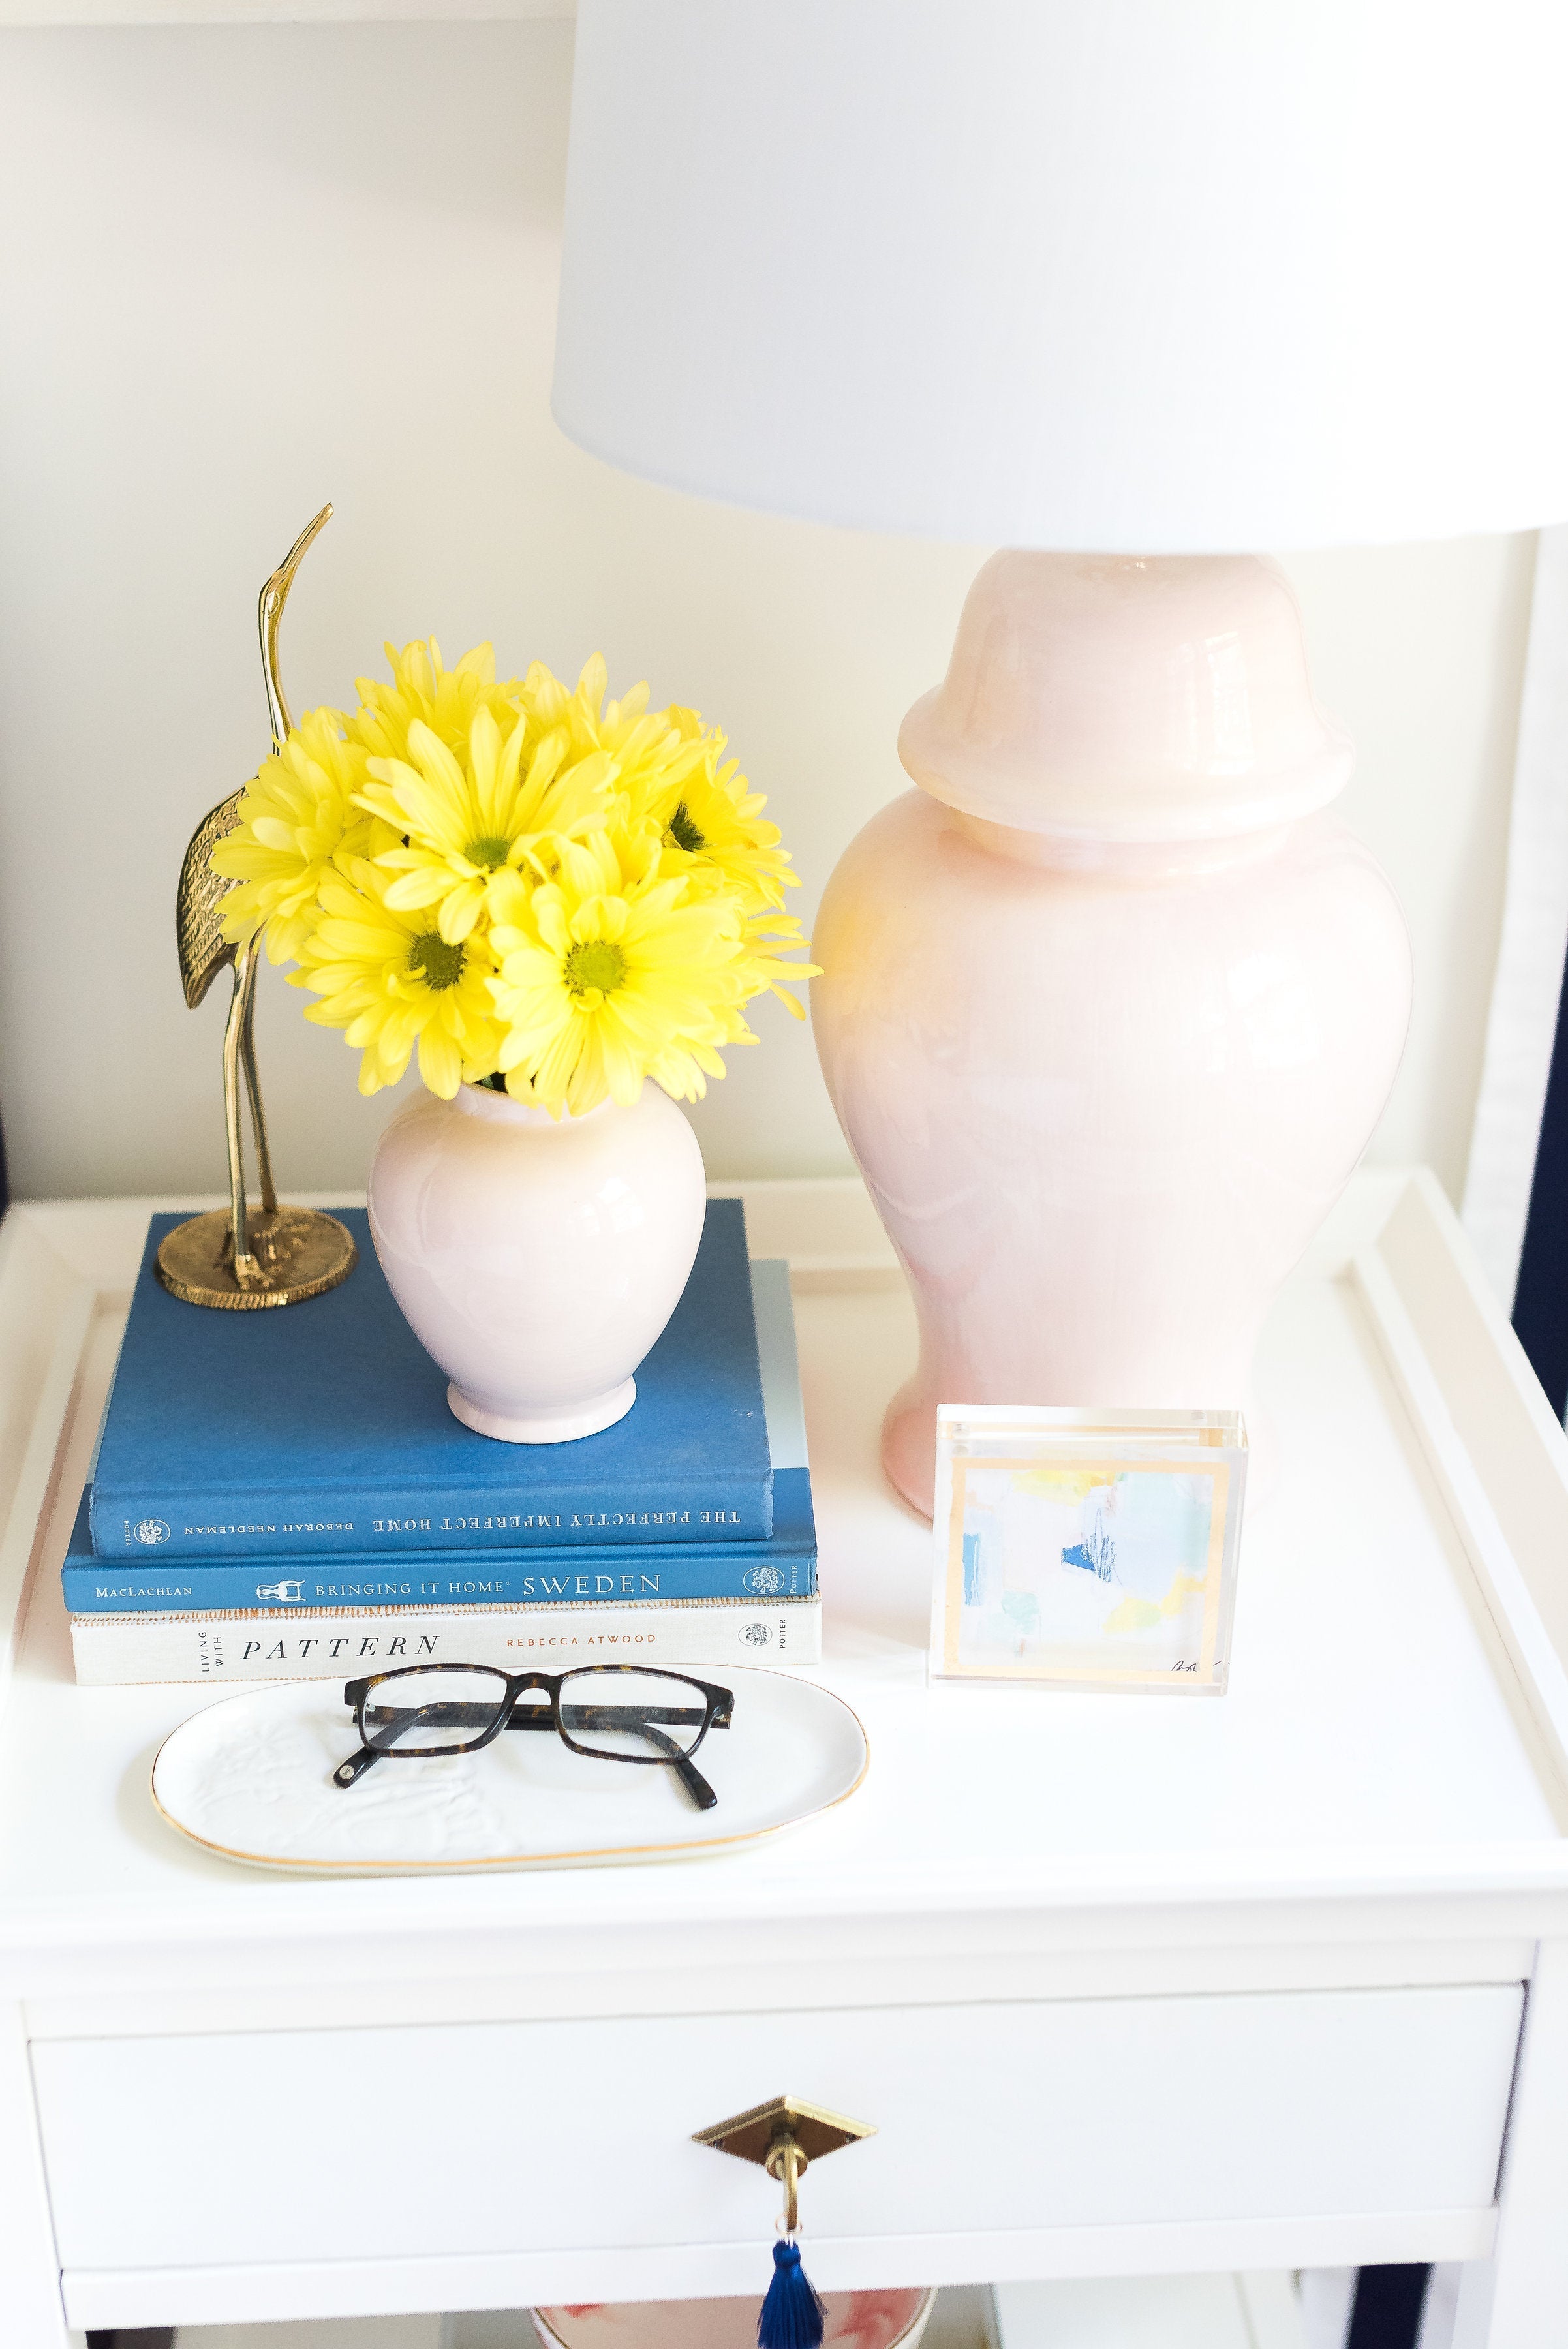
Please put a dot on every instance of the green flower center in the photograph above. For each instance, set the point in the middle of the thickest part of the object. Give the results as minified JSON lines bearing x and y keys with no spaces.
{"x":487,"y":851}
{"x":431,"y":959}
{"x":597,"y":963}
{"x":684,"y":833}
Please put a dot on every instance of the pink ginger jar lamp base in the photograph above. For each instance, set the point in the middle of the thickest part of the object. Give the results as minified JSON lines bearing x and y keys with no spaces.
{"x":1109,"y":1006}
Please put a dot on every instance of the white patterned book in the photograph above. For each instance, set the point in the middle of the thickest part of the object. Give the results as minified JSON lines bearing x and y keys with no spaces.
{"x":114,"y":1650}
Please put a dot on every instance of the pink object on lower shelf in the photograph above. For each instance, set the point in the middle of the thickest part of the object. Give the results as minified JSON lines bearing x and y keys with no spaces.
{"x":855,"y":2320}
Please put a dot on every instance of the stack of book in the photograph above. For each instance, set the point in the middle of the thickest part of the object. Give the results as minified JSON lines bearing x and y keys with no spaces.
{"x":285,"y":1495}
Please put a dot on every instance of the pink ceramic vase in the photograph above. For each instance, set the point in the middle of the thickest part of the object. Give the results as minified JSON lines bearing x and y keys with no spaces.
{"x":1108,"y":1009}
{"x":537,"y":1259}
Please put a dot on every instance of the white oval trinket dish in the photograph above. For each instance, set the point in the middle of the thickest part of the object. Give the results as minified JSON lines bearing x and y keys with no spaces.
{"x":251,"y":1780}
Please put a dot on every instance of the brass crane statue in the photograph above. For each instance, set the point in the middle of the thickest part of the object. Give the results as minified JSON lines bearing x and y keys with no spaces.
{"x":241,"y":1258}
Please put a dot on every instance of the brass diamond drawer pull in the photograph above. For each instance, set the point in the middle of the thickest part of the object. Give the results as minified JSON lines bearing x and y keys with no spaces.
{"x":783,"y":2137}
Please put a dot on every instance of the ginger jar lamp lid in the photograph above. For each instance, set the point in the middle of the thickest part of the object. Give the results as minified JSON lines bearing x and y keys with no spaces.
{"x":1126,"y":699}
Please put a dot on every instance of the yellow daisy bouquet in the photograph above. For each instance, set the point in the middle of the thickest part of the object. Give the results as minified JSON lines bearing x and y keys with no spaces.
{"x":540,"y":889}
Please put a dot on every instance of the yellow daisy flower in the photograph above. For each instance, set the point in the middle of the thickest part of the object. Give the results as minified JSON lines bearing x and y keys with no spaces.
{"x":710,"y":823}
{"x":608,"y":975}
{"x":391,"y":981}
{"x":424,"y":692}
{"x":293,"y":819}
{"x":651,"y":758}
{"x":463,"y":821}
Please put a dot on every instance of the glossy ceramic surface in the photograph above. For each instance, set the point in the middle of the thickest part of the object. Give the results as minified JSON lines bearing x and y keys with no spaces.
{"x":251,"y":1779}
{"x":855,"y":2320}
{"x":537,"y":1259}
{"x":1104,"y":1085}
{"x":1111,"y":698}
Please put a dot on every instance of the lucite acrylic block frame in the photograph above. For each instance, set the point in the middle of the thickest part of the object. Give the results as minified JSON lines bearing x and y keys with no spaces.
{"x":1087,"y":1549}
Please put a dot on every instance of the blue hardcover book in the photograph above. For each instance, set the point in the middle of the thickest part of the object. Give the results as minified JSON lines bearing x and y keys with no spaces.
{"x":710,"y":1570}
{"x":323,"y":1430}
{"x":783,"y":1568}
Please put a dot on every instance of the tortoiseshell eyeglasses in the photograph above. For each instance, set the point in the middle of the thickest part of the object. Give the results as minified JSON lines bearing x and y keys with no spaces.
{"x":612,"y":1713}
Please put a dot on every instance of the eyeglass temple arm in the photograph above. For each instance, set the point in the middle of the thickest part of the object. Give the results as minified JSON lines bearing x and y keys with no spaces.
{"x":347,"y":1774}
{"x":691,"y":1777}
{"x":597,"y":1716}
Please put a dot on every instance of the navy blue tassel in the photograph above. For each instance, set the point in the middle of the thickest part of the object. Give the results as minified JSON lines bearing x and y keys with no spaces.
{"x":793,"y":2317}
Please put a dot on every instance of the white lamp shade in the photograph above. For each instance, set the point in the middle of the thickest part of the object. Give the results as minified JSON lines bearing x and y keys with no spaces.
{"x":1151,"y":275}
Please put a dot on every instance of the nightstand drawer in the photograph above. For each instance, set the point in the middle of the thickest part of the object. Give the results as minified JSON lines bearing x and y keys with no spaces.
{"x":494,"y":2137}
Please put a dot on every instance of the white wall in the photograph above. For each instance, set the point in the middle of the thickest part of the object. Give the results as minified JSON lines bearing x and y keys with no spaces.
{"x":246,"y":269}
{"x":1419,"y":651}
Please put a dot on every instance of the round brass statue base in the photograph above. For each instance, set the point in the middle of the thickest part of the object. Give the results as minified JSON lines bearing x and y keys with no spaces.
{"x":299,"y":1252}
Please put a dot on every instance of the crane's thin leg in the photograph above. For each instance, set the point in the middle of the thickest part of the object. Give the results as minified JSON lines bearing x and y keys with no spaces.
{"x":252,"y":1082}
{"x":247,"y":1271}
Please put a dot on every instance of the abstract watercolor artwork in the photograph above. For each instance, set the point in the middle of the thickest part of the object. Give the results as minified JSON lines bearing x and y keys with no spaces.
{"x":1093,"y":1550}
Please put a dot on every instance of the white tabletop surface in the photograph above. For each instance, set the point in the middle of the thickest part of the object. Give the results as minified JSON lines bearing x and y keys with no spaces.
{"x":1365,"y":1745}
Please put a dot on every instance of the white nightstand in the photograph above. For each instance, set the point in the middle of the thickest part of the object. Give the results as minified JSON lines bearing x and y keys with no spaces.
{"x":1131,"y":1988}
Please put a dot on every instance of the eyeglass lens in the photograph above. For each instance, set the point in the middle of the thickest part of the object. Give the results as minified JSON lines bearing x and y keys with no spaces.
{"x":638,"y":1716}
{"x":433,"y":1711}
